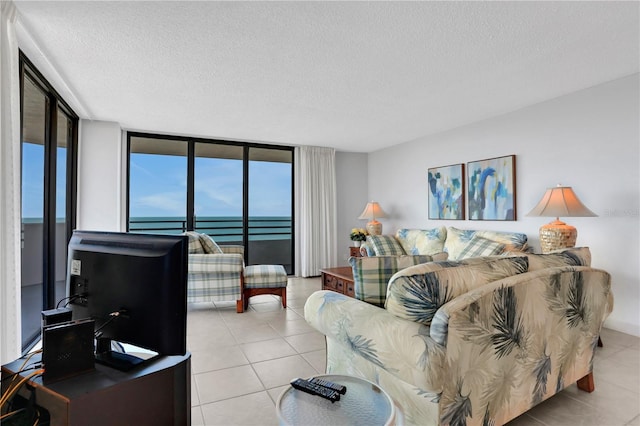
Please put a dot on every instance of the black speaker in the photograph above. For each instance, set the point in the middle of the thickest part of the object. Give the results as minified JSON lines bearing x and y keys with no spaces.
{"x":67,"y":349}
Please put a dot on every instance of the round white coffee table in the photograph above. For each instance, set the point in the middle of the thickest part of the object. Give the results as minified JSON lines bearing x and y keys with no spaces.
{"x":365,"y":403}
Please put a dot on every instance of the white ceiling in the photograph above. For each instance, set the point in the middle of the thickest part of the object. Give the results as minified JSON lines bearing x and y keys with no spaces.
{"x":357,"y":76}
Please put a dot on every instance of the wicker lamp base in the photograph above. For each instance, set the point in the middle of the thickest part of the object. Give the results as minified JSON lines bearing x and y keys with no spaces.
{"x":557,"y":235}
{"x":374,"y":227}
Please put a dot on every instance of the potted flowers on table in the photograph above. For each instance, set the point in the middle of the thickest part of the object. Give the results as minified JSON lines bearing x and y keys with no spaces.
{"x":358,"y":235}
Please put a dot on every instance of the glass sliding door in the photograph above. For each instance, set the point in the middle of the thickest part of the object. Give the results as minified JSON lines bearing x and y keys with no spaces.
{"x":237,"y":193}
{"x":48,"y":182}
{"x":64,"y":139}
{"x":270,"y":206}
{"x":218,"y":205}
{"x":157,"y":185}
{"x":35,"y":111}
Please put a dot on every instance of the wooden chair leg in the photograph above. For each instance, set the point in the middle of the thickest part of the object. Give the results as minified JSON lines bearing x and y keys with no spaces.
{"x":244,"y":300}
{"x":247,"y":295}
{"x":283,"y":296}
{"x":240,"y":306}
{"x":586,"y":383}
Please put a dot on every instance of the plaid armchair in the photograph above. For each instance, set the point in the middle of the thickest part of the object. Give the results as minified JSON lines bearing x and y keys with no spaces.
{"x":214,"y":272}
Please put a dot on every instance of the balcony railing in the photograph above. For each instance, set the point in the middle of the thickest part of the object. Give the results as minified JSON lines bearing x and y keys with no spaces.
{"x":270,"y":238}
{"x":220,"y":229}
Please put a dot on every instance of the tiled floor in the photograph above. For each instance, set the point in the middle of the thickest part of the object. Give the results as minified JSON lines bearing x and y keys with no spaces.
{"x":242,"y":362}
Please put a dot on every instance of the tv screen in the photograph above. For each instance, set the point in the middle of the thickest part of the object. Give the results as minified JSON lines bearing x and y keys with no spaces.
{"x":135,"y":288}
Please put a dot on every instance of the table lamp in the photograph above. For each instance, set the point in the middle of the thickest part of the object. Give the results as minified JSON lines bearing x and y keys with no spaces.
{"x":372,"y":211}
{"x":556,"y":202}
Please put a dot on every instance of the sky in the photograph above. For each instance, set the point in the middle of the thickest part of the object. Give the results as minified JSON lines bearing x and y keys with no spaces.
{"x":158,"y":186}
{"x":33,"y":181}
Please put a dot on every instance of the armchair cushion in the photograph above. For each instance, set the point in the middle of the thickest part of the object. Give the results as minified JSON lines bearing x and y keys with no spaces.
{"x":422,"y":241}
{"x":417,"y":292}
{"x":385,"y":245}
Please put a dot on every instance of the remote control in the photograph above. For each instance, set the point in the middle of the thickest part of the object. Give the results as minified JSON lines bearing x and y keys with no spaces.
{"x":310,"y":388}
{"x":327,"y":384}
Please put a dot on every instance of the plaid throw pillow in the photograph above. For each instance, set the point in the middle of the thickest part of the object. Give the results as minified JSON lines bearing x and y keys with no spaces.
{"x":371,"y":274}
{"x":385,"y":245}
{"x":478,"y":247}
{"x":195,"y":245}
{"x":209,"y":246}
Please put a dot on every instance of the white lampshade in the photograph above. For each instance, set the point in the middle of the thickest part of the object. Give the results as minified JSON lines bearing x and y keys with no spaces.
{"x":560,"y":201}
{"x":556,"y":202}
{"x":373,"y":211}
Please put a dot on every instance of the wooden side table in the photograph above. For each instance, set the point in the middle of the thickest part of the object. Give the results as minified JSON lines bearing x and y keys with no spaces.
{"x":339,"y":280}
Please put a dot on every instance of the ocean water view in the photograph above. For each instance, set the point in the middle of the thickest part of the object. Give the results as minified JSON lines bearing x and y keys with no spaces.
{"x":221,"y":228}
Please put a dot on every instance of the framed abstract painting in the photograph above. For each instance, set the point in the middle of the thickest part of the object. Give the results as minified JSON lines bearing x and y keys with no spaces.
{"x":492,"y":189}
{"x":446,"y":192}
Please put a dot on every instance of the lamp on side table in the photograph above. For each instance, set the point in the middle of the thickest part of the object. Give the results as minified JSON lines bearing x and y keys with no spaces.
{"x":556,"y":202}
{"x":373,"y":211}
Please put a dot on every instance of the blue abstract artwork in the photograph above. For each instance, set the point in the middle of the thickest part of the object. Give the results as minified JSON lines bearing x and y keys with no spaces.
{"x":492,"y":189}
{"x":446,"y":192}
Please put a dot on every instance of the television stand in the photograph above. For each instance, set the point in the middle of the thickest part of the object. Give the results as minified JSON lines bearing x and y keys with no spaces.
{"x":158,"y":392}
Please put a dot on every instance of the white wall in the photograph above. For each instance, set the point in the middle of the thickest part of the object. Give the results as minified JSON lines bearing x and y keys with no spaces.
{"x":351,"y":197}
{"x":101,"y":176}
{"x":588,"y":140}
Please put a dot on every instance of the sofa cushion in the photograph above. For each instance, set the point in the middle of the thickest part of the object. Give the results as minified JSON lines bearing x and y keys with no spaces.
{"x":385,"y":245}
{"x":209,"y":246}
{"x":417,"y":292}
{"x":479,"y":246}
{"x":422,"y":241}
{"x":458,"y":239}
{"x":577,"y":256}
{"x":371,"y":274}
{"x":195,"y":244}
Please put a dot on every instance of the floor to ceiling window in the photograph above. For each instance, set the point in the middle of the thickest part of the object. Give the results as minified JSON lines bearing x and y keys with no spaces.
{"x":237,"y":193}
{"x":270,"y":205}
{"x":48,"y":149}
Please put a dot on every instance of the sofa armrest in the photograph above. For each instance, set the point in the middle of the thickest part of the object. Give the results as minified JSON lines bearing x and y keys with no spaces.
{"x":221,"y":264}
{"x":523,"y":338}
{"x":401,"y":347}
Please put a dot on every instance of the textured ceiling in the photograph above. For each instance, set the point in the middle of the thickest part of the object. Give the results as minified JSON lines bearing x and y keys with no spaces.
{"x":357,"y":76}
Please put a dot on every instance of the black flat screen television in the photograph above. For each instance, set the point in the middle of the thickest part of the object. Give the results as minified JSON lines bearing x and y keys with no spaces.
{"x":135,"y":288}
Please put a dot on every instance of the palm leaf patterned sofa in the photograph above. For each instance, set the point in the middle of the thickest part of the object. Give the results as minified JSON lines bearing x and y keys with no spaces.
{"x":214,"y":272}
{"x":474,"y":341}
{"x":384,"y":255}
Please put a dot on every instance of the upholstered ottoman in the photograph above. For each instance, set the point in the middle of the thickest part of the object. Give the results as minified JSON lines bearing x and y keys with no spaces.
{"x":265,"y":279}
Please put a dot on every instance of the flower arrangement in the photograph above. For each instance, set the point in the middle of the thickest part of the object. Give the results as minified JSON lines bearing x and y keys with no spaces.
{"x":358,"y":234}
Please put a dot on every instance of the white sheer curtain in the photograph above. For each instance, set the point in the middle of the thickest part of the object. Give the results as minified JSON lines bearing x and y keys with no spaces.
{"x":10,"y":342}
{"x":315,"y":197}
